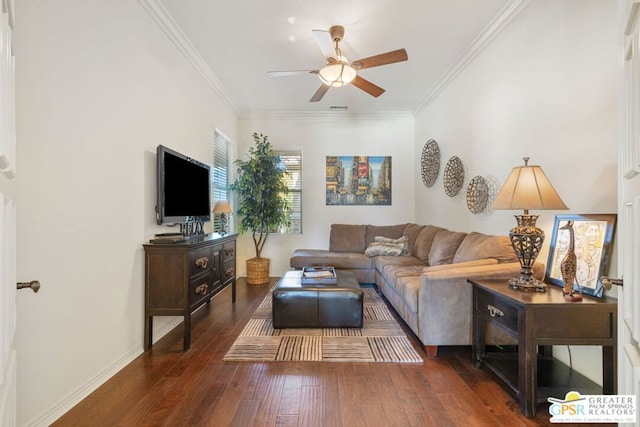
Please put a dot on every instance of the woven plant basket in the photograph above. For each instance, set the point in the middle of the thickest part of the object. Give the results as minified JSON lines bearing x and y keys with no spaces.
{"x":258,"y":271}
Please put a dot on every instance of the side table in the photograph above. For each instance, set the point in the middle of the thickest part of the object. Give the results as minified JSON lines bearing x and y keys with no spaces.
{"x":538,"y":320}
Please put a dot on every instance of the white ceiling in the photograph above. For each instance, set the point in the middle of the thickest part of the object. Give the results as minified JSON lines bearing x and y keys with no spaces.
{"x":243,"y":39}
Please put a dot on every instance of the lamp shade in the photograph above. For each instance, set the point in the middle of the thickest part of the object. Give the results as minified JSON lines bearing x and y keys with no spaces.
{"x":222,"y":206}
{"x":337,"y":75}
{"x":527,"y":187}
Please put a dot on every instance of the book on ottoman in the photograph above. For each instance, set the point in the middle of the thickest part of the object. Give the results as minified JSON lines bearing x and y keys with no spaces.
{"x":318,"y":276}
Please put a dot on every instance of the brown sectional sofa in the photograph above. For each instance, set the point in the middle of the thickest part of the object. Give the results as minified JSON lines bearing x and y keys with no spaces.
{"x":427,"y":285}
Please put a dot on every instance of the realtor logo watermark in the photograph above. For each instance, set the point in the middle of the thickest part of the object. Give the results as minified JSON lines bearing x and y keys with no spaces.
{"x":597,"y":408}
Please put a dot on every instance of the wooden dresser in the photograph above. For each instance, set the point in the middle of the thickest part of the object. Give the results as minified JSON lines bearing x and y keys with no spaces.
{"x":180,"y":277}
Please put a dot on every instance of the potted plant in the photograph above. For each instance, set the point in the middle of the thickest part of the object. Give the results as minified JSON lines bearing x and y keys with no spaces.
{"x":262,"y":203}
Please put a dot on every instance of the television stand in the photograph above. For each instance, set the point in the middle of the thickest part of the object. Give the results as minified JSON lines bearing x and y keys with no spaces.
{"x":180,"y":277}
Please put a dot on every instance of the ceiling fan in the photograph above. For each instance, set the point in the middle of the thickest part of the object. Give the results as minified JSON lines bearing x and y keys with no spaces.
{"x":338,"y":71}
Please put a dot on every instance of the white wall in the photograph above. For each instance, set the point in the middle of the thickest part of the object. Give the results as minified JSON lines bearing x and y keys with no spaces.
{"x":339,"y":134}
{"x":545,"y":88}
{"x":99,"y":86}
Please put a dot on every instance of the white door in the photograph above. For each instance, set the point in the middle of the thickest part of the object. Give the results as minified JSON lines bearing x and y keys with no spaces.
{"x":8,"y":358}
{"x":629,"y":202}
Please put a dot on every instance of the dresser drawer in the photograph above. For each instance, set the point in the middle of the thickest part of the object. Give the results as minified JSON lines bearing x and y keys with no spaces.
{"x":500,"y":311}
{"x":200,"y":261}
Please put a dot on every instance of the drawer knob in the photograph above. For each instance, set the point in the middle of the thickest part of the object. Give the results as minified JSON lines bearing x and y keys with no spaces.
{"x":202,"y":289}
{"x":202,"y":262}
{"x":494,"y":311}
{"x":228,"y":272}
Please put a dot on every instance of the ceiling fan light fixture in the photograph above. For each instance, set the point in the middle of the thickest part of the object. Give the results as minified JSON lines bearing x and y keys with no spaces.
{"x":337,"y":75}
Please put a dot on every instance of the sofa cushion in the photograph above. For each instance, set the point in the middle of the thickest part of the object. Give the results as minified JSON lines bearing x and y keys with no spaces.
{"x":347,"y":238}
{"x":412,"y":231}
{"x":480,"y":246}
{"x":320,"y":257}
{"x":423,"y":243}
{"x":444,"y":247}
{"x":392,"y":273}
{"x":390,"y":231}
{"x":381,"y":262}
{"x":409,"y":287}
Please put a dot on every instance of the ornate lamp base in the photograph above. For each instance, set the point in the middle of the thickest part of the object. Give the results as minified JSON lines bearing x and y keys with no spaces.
{"x":223,"y":224}
{"x":526,"y":240}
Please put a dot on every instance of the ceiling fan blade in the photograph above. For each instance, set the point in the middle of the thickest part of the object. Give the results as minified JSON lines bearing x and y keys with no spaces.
{"x":290,"y":73}
{"x":319,"y":93}
{"x":324,"y":41}
{"x":382,"y":59}
{"x":367,"y":86}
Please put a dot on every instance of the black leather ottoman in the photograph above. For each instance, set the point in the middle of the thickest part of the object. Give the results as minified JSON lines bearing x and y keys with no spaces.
{"x":317,"y":306}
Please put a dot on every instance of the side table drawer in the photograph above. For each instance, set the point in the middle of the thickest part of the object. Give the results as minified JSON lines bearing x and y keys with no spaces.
{"x":501,"y":312}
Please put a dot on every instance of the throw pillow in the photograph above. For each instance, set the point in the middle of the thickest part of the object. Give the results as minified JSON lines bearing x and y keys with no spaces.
{"x":480,"y":246}
{"x":347,"y":238}
{"x":444,"y":247}
{"x":423,"y":243}
{"x":412,"y":231}
{"x":384,"y":249}
{"x":404,"y":241}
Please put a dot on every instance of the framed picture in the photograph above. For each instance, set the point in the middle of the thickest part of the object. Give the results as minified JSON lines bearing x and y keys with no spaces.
{"x":358,"y":180}
{"x":593,"y":243}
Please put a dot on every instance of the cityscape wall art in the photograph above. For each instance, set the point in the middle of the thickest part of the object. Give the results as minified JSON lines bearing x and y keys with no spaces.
{"x":358,"y":180}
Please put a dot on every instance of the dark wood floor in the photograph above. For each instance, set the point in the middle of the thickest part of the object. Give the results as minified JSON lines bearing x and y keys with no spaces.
{"x":168,"y":387}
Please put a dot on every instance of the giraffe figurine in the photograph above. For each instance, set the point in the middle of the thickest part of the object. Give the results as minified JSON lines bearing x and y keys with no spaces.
{"x":568,"y":266}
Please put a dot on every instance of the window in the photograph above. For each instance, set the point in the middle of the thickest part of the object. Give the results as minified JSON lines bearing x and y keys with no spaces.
{"x":291,"y":161}
{"x":222,"y":175}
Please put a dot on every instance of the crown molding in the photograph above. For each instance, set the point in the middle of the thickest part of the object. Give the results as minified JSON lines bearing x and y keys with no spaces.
{"x":484,"y":39}
{"x":161,"y":16}
{"x":327,"y":115}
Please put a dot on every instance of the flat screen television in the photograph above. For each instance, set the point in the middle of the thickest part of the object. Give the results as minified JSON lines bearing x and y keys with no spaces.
{"x":184,"y":194}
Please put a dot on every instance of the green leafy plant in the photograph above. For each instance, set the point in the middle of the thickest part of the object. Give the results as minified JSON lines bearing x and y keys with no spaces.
{"x":261,"y":190}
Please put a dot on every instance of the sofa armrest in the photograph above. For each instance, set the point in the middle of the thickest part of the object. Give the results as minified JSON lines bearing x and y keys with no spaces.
{"x":445,"y":300}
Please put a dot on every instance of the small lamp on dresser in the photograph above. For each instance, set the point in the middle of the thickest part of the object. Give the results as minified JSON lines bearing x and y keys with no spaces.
{"x":222,"y":208}
{"x":527,"y":187}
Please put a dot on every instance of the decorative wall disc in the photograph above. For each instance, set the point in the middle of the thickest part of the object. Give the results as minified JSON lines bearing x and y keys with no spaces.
{"x":453,"y":176}
{"x":430,"y":162}
{"x":477,"y":194}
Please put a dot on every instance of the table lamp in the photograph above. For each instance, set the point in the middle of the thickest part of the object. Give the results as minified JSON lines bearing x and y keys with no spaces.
{"x":527,"y":187}
{"x":222,"y":208}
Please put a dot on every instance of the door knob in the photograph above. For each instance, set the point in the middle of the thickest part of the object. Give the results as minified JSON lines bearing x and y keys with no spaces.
{"x":34,"y":285}
{"x":608,"y":283}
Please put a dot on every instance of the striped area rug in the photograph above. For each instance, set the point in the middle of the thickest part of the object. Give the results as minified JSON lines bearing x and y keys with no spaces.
{"x":381,"y":339}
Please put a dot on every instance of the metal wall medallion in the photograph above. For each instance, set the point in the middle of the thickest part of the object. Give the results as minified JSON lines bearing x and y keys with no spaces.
{"x":430,"y":165}
{"x":453,"y":176}
{"x":477,"y":194}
